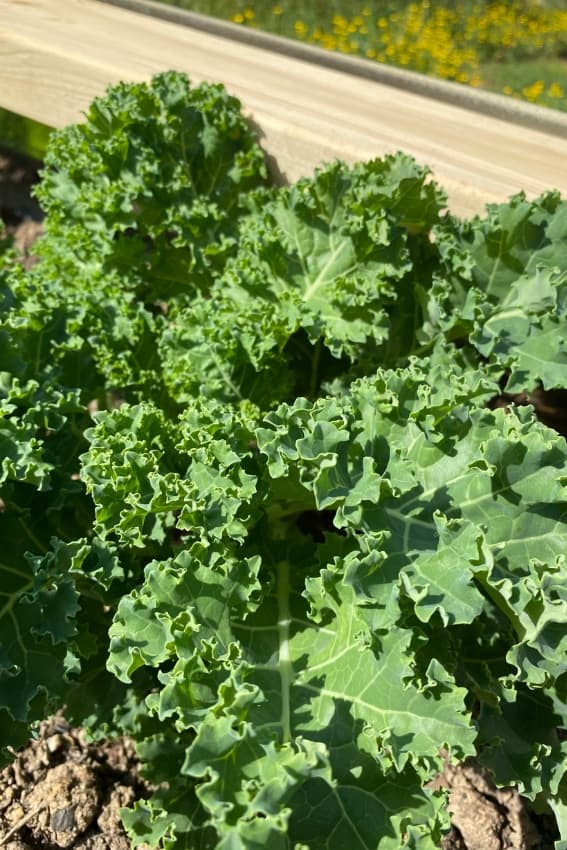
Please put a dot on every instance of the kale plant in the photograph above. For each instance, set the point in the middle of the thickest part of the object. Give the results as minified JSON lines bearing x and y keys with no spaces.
{"x":267,"y":504}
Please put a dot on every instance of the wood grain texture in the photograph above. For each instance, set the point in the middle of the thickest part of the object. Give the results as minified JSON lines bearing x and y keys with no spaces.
{"x":56,"y":55}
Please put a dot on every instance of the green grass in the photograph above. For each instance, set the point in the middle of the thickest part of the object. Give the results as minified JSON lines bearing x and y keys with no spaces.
{"x":531,"y":67}
{"x":520,"y":77}
{"x":311,"y":11}
{"x":23,"y":134}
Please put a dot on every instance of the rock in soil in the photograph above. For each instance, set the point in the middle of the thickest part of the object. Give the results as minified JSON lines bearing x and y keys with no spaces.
{"x":485,"y":817}
{"x":64,"y":792}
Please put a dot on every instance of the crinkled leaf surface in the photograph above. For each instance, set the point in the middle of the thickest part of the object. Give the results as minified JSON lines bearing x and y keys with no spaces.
{"x":511,"y":240}
{"x":525,"y":334}
{"x":149,"y":185}
{"x":519,"y":742}
{"x":500,"y":285}
{"x":37,"y":612}
{"x":310,"y":601}
{"x":273,"y":641}
{"x":319,"y":269}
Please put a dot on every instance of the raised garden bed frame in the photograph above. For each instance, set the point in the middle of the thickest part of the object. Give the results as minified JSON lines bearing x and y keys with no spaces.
{"x":310,"y":106}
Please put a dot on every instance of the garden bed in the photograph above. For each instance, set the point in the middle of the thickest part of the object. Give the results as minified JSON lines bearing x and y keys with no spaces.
{"x":313,"y":523}
{"x":63,"y":792}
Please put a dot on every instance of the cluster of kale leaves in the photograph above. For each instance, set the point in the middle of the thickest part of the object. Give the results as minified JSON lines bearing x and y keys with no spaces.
{"x":261,"y":507}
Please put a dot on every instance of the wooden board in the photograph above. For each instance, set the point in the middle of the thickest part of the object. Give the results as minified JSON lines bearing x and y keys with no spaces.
{"x":56,"y":55}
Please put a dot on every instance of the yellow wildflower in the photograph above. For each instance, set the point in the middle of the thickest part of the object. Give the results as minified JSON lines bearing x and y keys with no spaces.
{"x":534,"y":91}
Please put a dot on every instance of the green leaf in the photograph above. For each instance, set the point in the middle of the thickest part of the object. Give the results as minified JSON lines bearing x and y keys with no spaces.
{"x":37,"y":622}
{"x":152,"y":482}
{"x":319,"y":269}
{"x":512,"y":240}
{"x":149,"y":185}
{"x":30,"y":419}
{"x":524,"y":334}
{"x":519,"y":743}
{"x":500,"y":287}
{"x":274,"y":716}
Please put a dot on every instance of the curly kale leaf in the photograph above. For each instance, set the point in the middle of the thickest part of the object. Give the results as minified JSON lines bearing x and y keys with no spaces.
{"x":511,"y":240}
{"x":500,"y":289}
{"x":38,"y":608}
{"x":317,"y":647}
{"x":150,"y":185}
{"x":324,"y":275}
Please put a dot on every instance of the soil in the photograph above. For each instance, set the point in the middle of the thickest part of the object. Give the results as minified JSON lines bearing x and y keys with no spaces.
{"x":485,"y":817}
{"x":19,"y":211}
{"x":63,"y":792}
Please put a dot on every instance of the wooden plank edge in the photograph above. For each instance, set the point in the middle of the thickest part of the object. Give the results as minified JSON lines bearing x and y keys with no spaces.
{"x":289,"y":151}
{"x":499,"y":106}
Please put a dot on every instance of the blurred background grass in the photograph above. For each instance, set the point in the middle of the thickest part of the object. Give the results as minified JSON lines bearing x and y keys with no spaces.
{"x":23,"y":134}
{"x":517,"y":48}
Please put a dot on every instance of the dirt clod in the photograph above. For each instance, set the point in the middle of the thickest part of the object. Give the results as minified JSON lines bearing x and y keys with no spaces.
{"x":485,"y":817}
{"x":66,"y":800}
{"x":16,"y":845}
{"x":63,"y":792}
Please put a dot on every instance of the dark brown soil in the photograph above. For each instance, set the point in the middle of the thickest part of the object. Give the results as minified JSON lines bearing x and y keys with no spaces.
{"x":20,"y":214}
{"x":550,"y":406}
{"x":63,"y":792}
